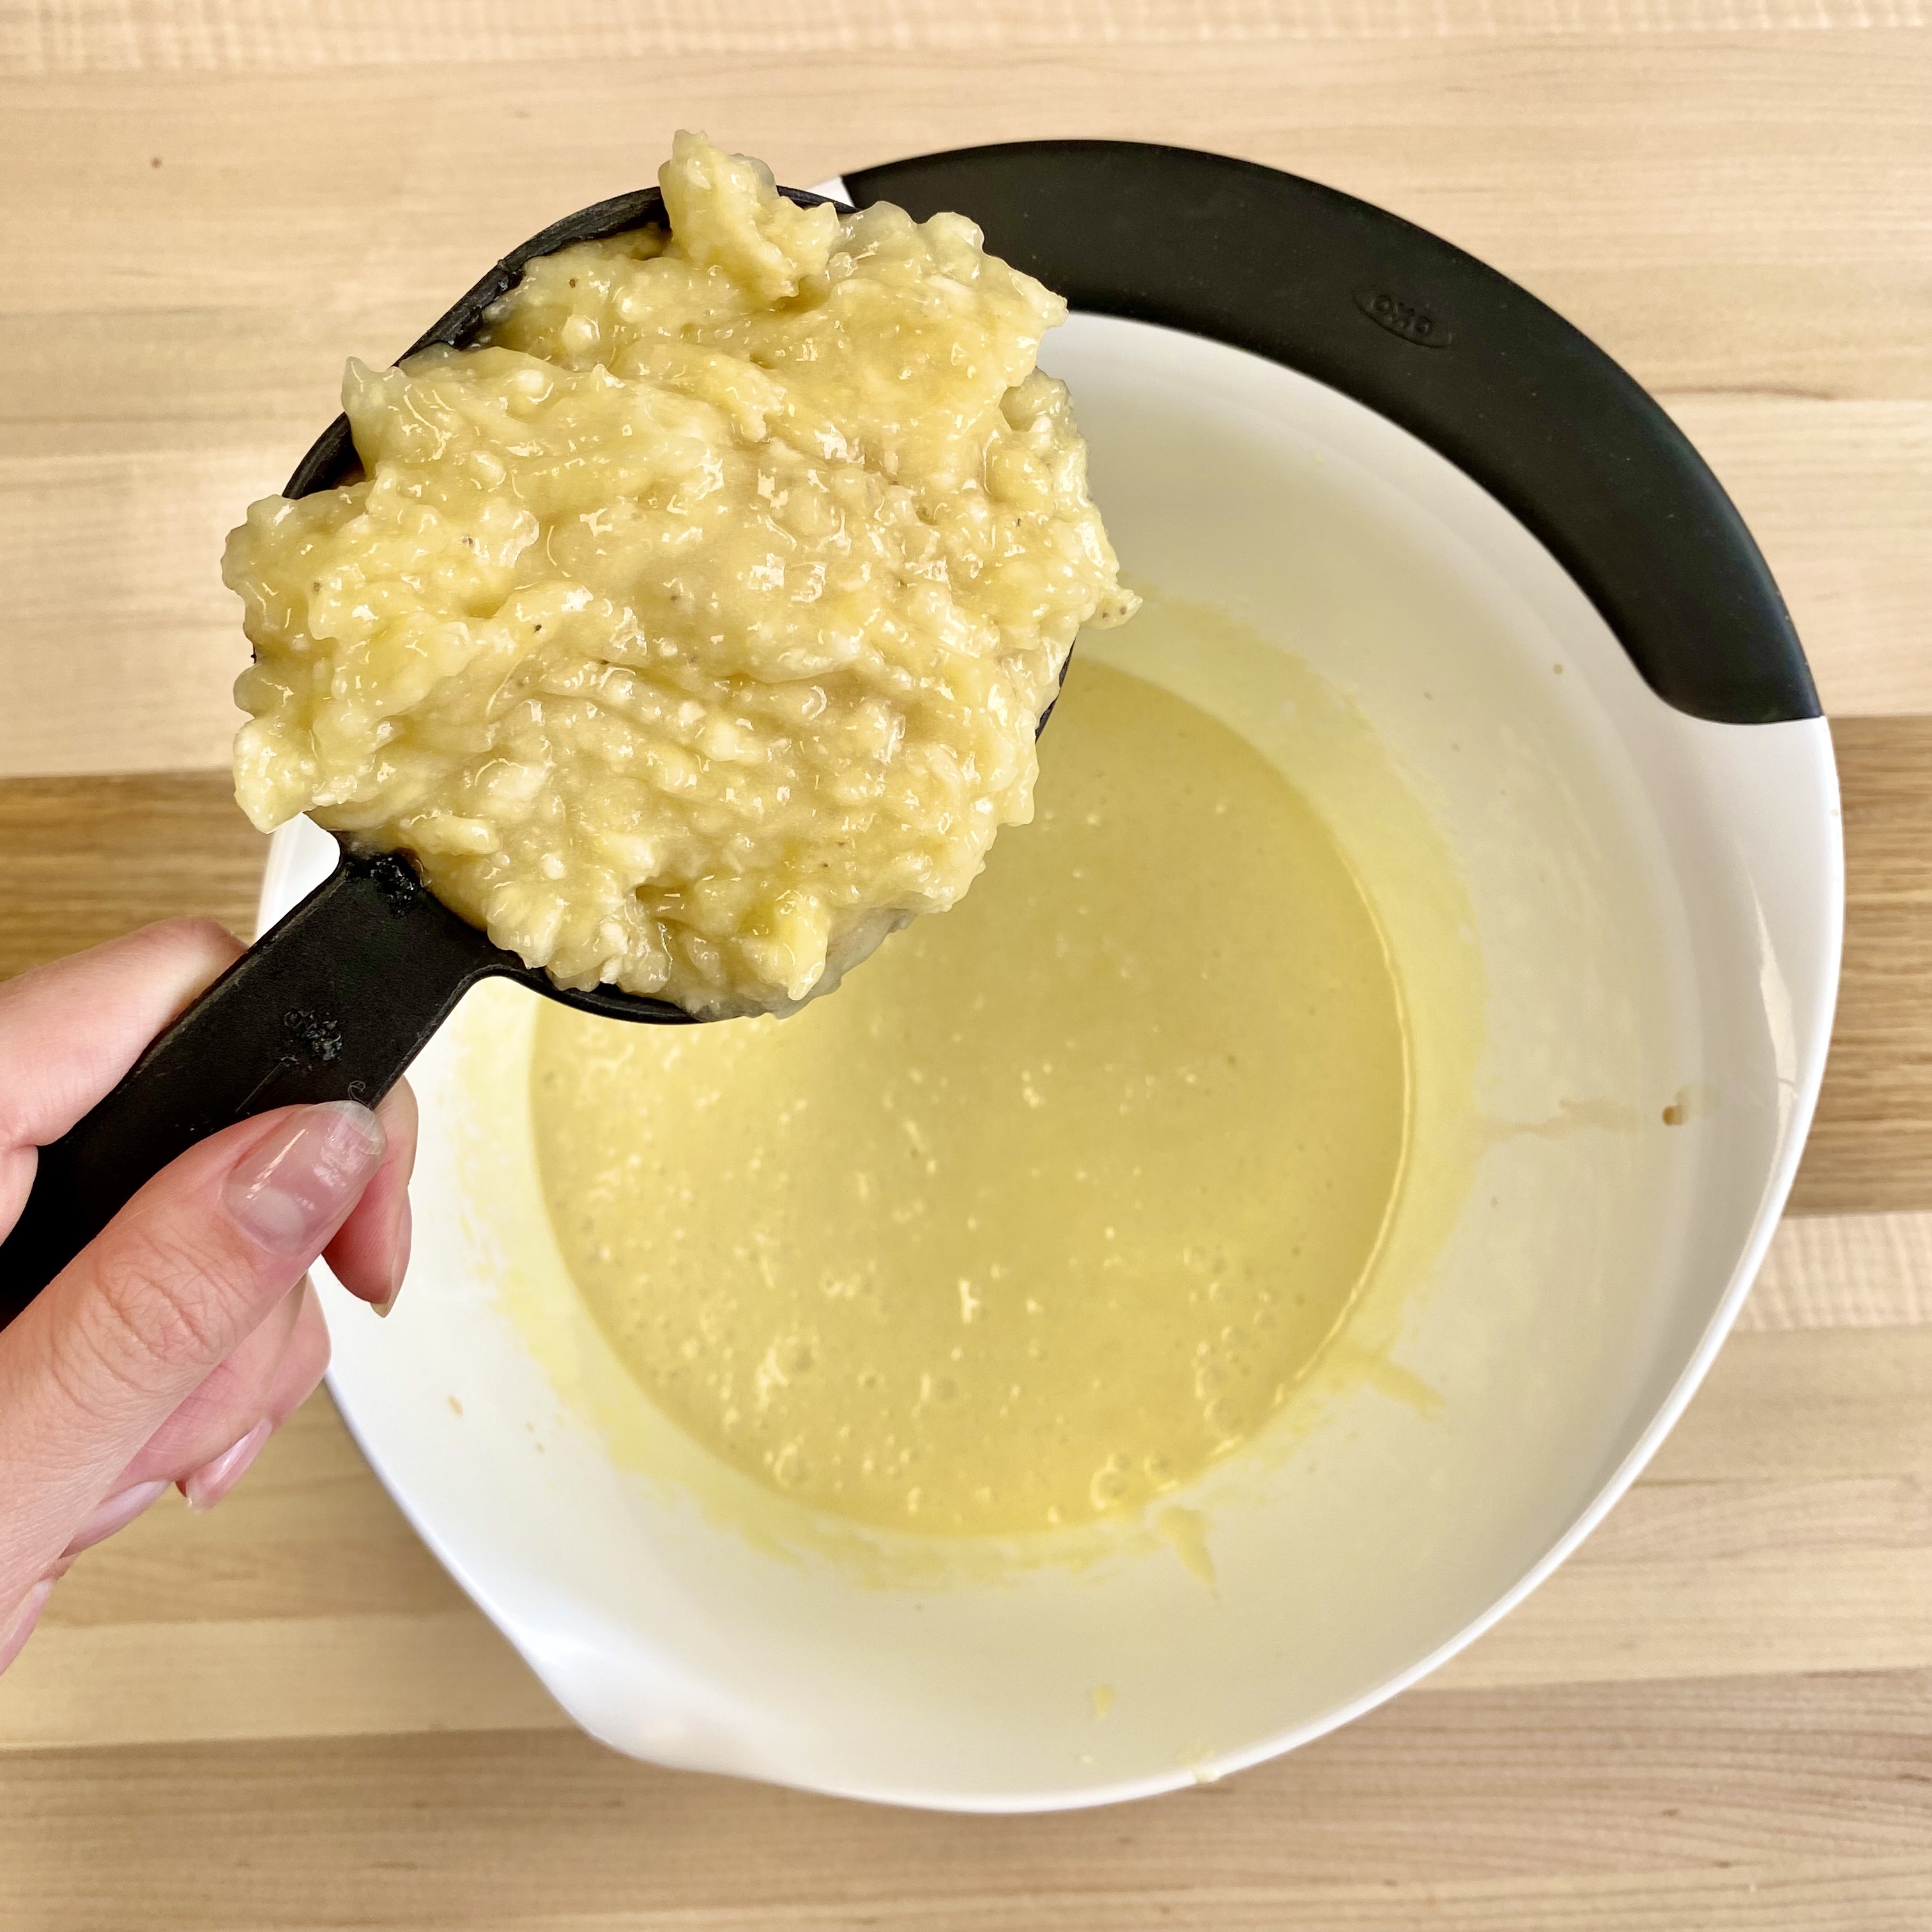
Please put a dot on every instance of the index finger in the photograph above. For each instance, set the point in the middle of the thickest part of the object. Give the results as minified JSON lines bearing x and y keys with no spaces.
{"x":69,"y":1031}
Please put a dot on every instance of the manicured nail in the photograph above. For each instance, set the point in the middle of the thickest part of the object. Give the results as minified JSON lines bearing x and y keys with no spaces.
{"x":399,"y":1261}
{"x":116,"y":1513}
{"x":15,"y":1630}
{"x":213,"y":1481}
{"x":292,"y":1193}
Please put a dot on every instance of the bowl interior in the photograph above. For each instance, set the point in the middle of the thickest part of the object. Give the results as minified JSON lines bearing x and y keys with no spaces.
{"x":1615,"y":928}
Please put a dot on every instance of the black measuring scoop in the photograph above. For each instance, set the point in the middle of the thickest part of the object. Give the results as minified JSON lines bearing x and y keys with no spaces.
{"x":335,"y":1000}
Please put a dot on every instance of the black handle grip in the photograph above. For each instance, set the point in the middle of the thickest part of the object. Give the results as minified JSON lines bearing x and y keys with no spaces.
{"x":332,"y":1004}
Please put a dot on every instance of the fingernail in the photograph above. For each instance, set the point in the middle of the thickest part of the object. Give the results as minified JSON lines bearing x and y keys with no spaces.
{"x":213,"y":1481}
{"x":116,"y":1513}
{"x":292,"y":1192}
{"x":400,"y":1261}
{"x":15,"y":1630}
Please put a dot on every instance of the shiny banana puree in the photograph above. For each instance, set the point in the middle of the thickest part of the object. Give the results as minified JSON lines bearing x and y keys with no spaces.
{"x":1052,"y":1207}
{"x":692,"y":630}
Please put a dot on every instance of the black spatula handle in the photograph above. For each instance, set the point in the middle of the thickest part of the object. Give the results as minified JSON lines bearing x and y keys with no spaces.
{"x":332,"y":1004}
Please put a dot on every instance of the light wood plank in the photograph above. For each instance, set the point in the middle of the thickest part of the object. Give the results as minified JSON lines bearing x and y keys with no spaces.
{"x":1662,"y":1622}
{"x":107,"y":36}
{"x":128,"y":644}
{"x":1871,"y":1146}
{"x":1807,"y":148}
{"x":1830,"y":1405}
{"x":83,"y":860}
{"x":1844,"y":1271}
{"x":182,"y":334}
{"x":1798,"y":1802}
{"x":234,"y":1678}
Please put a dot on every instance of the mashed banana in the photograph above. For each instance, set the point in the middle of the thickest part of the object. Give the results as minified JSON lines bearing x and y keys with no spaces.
{"x":693,"y":630}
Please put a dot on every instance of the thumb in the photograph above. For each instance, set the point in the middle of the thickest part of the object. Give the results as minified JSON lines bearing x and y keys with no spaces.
{"x":168,"y":1290}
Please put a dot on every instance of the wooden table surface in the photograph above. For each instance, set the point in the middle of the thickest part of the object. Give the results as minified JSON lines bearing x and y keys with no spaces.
{"x":1719,"y":1714}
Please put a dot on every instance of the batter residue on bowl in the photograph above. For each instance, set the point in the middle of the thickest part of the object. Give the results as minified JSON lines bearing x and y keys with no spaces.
{"x":1052,"y":1207}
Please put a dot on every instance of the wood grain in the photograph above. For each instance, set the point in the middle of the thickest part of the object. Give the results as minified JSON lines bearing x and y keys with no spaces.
{"x":221,"y":201}
{"x":83,"y":860}
{"x":1844,"y":1271}
{"x":1802,"y":1803}
{"x":104,"y":36}
{"x":1871,"y":1144}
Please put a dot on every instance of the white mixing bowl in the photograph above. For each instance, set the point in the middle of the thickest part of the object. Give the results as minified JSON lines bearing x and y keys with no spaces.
{"x":1654,"y":902}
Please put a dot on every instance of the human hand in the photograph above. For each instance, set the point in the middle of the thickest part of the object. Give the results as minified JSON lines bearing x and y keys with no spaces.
{"x":174,"y":1344}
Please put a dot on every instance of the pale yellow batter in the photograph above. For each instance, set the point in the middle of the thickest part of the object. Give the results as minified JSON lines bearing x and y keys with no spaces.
{"x":1053,"y":1205}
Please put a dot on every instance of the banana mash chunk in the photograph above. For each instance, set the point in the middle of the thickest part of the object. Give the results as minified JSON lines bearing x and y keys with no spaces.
{"x":692,"y":630}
